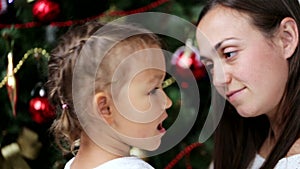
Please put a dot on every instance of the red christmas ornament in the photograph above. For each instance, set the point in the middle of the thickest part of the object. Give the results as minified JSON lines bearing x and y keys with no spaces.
{"x":187,"y":58}
{"x":39,"y":107}
{"x":3,"y":6}
{"x":45,"y":10}
{"x":41,"y":110}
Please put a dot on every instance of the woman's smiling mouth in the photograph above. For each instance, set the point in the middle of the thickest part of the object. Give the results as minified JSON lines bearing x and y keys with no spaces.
{"x":231,"y":95}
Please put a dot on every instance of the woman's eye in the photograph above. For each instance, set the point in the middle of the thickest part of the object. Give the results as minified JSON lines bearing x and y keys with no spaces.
{"x":229,"y":54}
{"x":153,"y":91}
{"x":208,"y":64}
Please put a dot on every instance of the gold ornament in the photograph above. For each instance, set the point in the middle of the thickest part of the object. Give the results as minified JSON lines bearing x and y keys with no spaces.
{"x":27,"y":146}
{"x":13,"y":158}
{"x":11,"y":83}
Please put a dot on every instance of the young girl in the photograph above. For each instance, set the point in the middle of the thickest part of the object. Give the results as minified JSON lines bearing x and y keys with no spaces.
{"x":106,"y":80}
{"x":257,"y":70}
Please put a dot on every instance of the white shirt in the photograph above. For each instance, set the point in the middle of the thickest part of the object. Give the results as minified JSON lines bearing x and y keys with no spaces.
{"x":120,"y":163}
{"x":291,"y":162}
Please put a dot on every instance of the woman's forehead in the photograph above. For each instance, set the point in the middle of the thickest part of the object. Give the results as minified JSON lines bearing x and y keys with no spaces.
{"x":220,"y":24}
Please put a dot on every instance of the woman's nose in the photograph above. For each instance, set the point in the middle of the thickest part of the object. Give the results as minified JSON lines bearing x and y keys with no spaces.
{"x":221,"y":76}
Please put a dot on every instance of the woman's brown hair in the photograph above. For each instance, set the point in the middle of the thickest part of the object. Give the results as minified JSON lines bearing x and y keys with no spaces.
{"x":237,"y":139}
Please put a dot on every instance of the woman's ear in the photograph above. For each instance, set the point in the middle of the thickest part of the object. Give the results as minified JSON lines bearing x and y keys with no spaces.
{"x":102,"y":103}
{"x":289,"y":36}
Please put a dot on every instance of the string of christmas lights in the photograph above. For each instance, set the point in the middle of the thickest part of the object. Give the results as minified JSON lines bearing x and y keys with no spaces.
{"x":41,"y":51}
{"x":185,"y":152}
{"x":73,"y":22}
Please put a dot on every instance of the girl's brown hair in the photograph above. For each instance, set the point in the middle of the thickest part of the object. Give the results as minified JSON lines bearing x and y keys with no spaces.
{"x":67,"y":128}
{"x":237,"y":139}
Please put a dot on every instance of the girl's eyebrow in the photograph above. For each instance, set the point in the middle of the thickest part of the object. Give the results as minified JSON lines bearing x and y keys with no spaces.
{"x":203,"y":58}
{"x":155,"y":78}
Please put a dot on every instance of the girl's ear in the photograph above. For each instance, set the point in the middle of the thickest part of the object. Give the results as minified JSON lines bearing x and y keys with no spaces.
{"x":101,"y":101}
{"x":289,"y":36}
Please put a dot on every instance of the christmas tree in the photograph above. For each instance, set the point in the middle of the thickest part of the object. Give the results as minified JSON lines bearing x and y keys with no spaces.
{"x":30,"y":29}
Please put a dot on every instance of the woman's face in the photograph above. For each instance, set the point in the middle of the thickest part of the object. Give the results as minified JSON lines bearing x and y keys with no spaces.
{"x":250,"y":70}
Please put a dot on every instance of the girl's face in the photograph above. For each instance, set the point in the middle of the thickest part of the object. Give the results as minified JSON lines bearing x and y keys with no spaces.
{"x":250,"y":70}
{"x":141,"y":102}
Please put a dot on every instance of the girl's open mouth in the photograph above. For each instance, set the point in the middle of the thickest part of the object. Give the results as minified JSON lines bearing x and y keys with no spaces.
{"x":160,"y":128}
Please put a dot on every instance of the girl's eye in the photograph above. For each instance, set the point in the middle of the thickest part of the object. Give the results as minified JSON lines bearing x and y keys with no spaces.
{"x":153,"y":91}
{"x":229,"y":55}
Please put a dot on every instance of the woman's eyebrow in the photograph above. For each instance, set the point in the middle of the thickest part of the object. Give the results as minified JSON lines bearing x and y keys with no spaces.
{"x":219,"y":44}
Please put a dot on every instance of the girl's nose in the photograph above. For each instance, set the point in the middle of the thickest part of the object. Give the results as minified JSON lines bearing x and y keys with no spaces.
{"x":168,"y":101}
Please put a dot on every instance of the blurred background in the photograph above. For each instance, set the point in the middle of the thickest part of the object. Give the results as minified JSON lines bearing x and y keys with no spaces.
{"x":30,"y":29}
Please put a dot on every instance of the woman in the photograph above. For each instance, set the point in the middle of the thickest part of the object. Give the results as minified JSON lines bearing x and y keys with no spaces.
{"x":257,"y":70}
